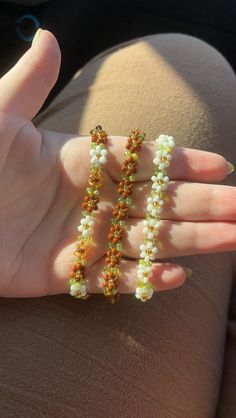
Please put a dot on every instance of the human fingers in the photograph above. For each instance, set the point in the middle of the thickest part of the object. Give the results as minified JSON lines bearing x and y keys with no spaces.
{"x":186,"y":164}
{"x":188,"y":201}
{"x":181,"y":238}
{"x":166,"y":276}
{"x":25,"y":87}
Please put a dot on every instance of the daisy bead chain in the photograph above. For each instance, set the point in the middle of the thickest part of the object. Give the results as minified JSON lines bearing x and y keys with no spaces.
{"x":111,"y":272}
{"x":98,"y":154}
{"x":155,"y":203}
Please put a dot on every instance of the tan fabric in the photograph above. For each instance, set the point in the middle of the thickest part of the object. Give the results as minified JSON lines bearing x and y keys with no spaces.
{"x":62,"y":358}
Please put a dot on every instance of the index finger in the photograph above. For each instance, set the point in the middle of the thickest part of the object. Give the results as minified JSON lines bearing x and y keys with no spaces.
{"x":187,"y":164}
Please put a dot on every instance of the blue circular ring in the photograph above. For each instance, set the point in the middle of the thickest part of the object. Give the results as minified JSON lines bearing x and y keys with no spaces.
{"x":18,"y":30}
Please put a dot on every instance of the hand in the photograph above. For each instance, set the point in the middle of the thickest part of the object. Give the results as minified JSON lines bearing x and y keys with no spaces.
{"x":43,"y":176}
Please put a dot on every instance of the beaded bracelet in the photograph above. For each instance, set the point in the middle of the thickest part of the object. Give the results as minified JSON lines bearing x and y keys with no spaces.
{"x":155,"y":203}
{"x":111,"y":272}
{"x":98,"y":155}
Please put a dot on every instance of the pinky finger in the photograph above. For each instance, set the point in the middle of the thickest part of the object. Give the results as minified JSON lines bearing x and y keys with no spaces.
{"x":166,"y":276}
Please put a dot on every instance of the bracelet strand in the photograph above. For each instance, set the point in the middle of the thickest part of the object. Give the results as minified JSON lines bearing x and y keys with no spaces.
{"x":111,"y":272}
{"x":155,"y":203}
{"x":98,"y":153}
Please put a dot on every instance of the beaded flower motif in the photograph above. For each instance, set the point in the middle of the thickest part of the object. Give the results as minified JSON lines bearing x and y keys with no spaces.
{"x":111,"y":272}
{"x":155,"y":204}
{"x":98,"y":155}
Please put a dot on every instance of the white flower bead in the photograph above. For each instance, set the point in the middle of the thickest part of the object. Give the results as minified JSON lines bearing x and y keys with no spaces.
{"x":164,"y":186}
{"x":159,"y":140}
{"x":155,"y":208}
{"x":148,"y":251}
{"x":155,"y":204}
{"x":150,"y":207}
{"x":156,"y":198}
{"x":151,"y":225}
{"x":170,"y":142}
{"x":85,"y":225}
{"x":157,"y":211}
{"x":162,"y":166}
{"x":141,"y":274}
{"x":157,"y":187}
{"x":99,"y":155}
{"x":97,"y":149}
{"x":166,"y":140}
{"x":143,"y":293}
{"x":145,"y":268}
{"x":165,"y":154}
{"x":148,"y":222}
{"x":154,"y":178}
{"x":156,"y":161}
{"x":78,"y":289}
{"x":160,"y":176}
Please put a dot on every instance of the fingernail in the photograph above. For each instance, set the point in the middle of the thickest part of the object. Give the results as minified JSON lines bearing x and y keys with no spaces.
{"x":36,"y":36}
{"x":230,"y":168}
{"x":188,"y":271}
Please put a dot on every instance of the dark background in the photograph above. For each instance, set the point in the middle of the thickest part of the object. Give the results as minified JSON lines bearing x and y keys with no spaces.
{"x":86,"y":27}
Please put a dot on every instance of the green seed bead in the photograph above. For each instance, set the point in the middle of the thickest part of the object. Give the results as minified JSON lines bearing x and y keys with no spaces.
{"x":149,"y":285}
{"x":141,"y":284}
{"x":145,"y":263}
{"x":128,"y":201}
{"x":135,"y":156}
{"x":131,"y":178}
{"x":121,"y":223}
{"x":147,"y":240}
{"x":90,"y":190}
{"x":116,"y":271}
{"x":95,"y":169}
{"x":85,"y":240}
{"x":85,"y":213}
{"x":72,"y":281}
{"x":119,"y":246}
{"x":157,"y":171}
{"x":127,"y":153}
{"x":121,"y":199}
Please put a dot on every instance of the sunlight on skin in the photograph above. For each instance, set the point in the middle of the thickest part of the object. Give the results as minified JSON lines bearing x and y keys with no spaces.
{"x":42,"y":182}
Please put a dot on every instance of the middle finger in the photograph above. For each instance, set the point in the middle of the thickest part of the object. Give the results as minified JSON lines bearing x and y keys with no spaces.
{"x":177,"y":238}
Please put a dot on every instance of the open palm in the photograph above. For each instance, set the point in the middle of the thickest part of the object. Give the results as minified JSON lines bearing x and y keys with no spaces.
{"x":43,"y":176}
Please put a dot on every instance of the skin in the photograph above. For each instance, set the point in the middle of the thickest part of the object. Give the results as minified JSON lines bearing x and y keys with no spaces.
{"x":43,"y":175}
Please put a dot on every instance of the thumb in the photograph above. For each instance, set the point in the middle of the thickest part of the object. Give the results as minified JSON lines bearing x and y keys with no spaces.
{"x":25,"y":87}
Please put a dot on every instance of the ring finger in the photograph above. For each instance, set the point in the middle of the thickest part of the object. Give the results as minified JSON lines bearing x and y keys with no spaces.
{"x":182,"y":238}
